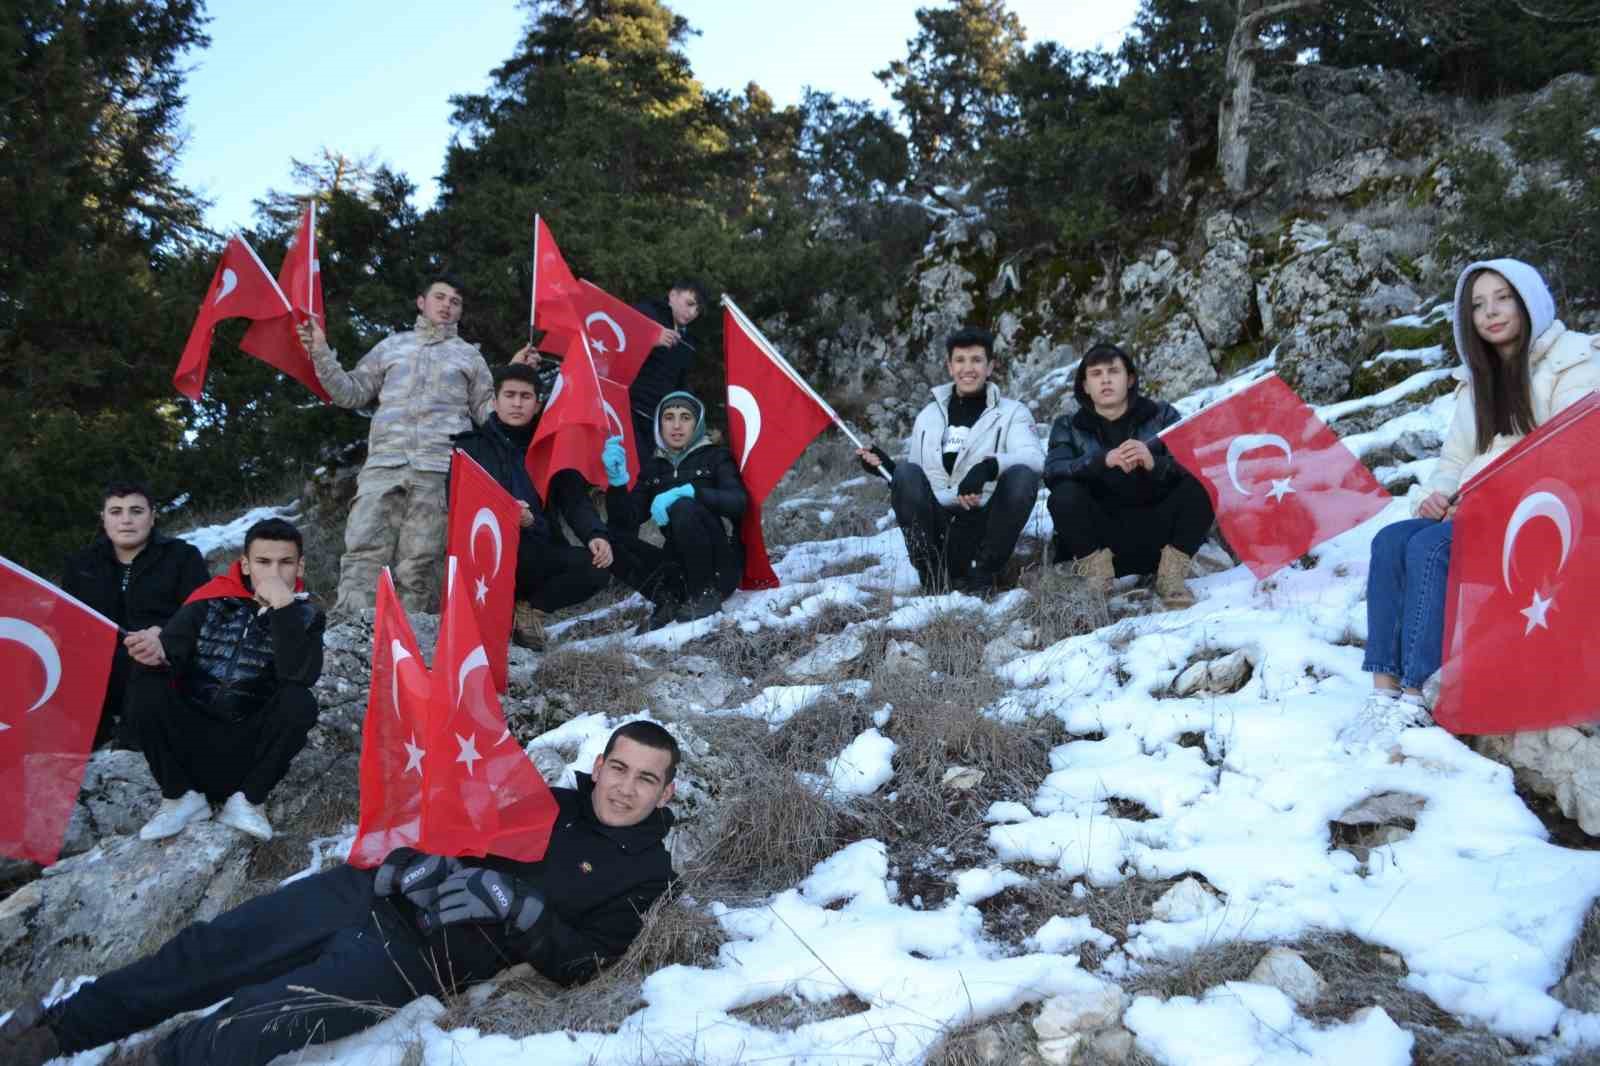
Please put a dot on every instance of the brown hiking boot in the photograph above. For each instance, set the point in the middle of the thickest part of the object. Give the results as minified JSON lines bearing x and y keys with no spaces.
{"x":527,"y":626}
{"x":1171,"y":579}
{"x":1098,"y":569}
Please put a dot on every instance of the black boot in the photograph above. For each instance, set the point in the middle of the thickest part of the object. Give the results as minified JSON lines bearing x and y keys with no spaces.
{"x":663,"y":612}
{"x":702,"y":604}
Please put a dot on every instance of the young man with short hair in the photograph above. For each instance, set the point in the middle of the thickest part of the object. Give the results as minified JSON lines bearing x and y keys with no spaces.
{"x":666,"y":368}
{"x":136,"y":576}
{"x":224,"y":701}
{"x":428,"y":384}
{"x":1121,"y":504}
{"x":965,"y":491}
{"x":310,"y":962}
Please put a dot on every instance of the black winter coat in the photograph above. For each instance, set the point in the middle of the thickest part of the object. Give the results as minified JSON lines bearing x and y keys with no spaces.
{"x":492,"y":447}
{"x":161,"y":578}
{"x":229,"y":656}
{"x":709,"y":468}
{"x":597,"y":881}
{"x":665,"y":369}
{"x":1079,"y":443}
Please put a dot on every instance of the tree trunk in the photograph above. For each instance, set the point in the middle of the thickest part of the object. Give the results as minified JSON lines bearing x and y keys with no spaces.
{"x":1233,"y":116}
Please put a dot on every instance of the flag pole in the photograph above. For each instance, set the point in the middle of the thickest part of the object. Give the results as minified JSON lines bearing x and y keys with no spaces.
{"x":533,"y":292}
{"x":311,"y":262}
{"x":793,"y":375}
{"x":238,"y":236}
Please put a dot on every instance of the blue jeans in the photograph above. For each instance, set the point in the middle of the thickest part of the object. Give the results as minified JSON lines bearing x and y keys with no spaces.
{"x":1405,"y":600}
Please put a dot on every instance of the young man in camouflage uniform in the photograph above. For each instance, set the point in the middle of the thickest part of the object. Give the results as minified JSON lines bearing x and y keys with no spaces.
{"x":428,"y":384}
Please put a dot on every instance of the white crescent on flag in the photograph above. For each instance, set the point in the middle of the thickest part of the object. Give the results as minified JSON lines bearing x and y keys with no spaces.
{"x":743,"y":401}
{"x":613,"y":418}
{"x":1536,"y":505}
{"x":397,"y":654}
{"x":37,"y":641}
{"x":616,"y":331}
{"x":485,"y":519}
{"x":1249,"y":442}
{"x":477,"y":660}
{"x":230,"y":281}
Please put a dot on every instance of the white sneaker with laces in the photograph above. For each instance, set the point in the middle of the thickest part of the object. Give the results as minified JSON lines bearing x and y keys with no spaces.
{"x":174,"y":814}
{"x":245,"y":817}
{"x":1383,"y":718}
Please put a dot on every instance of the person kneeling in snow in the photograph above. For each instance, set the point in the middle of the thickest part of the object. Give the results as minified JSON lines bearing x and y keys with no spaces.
{"x":969,"y":484}
{"x":691,"y":488}
{"x":312,"y":960}
{"x":1120,"y":503}
{"x":223,"y":701}
{"x":1521,"y":367}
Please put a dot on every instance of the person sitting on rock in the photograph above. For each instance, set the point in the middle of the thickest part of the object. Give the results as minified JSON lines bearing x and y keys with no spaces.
{"x":223,"y":702}
{"x":329,"y":955}
{"x":551,"y":573}
{"x":1521,"y":367}
{"x":1120,"y":503}
{"x":969,"y":483}
{"x":691,"y":488}
{"x":136,"y":576}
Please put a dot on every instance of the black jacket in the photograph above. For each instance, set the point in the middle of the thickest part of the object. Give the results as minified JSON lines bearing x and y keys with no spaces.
{"x":162,"y":576}
{"x":709,"y":468}
{"x":229,"y":656}
{"x":597,"y":881}
{"x":665,"y":369}
{"x":493,"y":447}
{"x":1079,"y":442}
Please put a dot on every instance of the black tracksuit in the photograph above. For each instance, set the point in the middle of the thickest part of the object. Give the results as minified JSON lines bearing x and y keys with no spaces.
{"x":1095,"y":506}
{"x":234,"y":707}
{"x":305,"y":963}
{"x":665,"y":369}
{"x":702,"y":551}
{"x":159,"y":579}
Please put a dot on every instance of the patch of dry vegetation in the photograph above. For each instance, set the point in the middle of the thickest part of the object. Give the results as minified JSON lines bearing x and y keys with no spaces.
{"x":586,"y":680}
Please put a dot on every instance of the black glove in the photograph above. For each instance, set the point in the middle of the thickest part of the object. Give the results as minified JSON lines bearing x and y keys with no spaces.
{"x":888,"y":463}
{"x":978,"y":477}
{"x":474,"y":894}
{"x":413,"y":874}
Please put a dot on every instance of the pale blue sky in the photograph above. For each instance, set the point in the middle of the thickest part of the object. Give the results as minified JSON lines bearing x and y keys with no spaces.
{"x":360,"y":76}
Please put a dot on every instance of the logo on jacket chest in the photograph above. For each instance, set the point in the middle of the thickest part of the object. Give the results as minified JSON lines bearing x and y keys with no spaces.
{"x":586,"y":867}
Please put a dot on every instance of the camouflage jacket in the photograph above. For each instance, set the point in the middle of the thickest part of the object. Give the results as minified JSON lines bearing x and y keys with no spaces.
{"x":428,"y":384}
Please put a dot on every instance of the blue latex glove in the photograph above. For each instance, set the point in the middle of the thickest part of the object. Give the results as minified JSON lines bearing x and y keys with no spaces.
{"x":615,"y":458}
{"x":658,"y":506}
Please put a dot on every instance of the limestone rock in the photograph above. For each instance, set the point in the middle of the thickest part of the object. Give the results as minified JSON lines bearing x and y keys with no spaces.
{"x":106,"y":907}
{"x":1178,"y":362}
{"x":118,"y":796}
{"x":1220,"y":294}
{"x":1185,"y":901}
{"x":694,"y":681}
{"x":1227,"y":674}
{"x":1349,"y":173}
{"x":1563,"y":764}
{"x":1376,"y":821}
{"x":1312,"y":365}
{"x":1145,"y":284}
{"x":905,"y":655}
{"x":961,"y":778}
{"x":1069,"y":1020}
{"x":1287,"y":971}
{"x":824,"y":662}
{"x":1111,"y":1046}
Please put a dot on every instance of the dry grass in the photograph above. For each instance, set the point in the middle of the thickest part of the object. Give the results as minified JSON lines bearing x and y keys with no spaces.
{"x":762,"y":656}
{"x":1193,"y":974}
{"x":1059,"y":605}
{"x":585,"y":680}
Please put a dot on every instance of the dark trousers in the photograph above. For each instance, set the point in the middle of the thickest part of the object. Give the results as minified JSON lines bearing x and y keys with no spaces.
{"x":697,"y":555}
{"x":314,"y":961}
{"x":189,"y":749}
{"x":1134,"y":533}
{"x":552,"y":576}
{"x":951,"y":545}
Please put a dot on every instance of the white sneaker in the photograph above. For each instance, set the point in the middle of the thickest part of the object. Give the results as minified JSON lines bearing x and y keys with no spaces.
{"x":245,"y":817}
{"x":174,"y":814}
{"x":1383,"y":718}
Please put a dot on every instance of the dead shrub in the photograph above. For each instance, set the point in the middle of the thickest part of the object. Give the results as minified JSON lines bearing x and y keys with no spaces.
{"x":1060,"y":605}
{"x":816,"y":734}
{"x":766,"y":837}
{"x":761,"y":656}
{"x":584,"y":680}
{"x":937,"y":735}
{"x":1193,"y":974}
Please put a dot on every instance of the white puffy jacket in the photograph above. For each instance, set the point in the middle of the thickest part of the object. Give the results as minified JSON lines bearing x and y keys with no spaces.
{"x":1005,"y":430}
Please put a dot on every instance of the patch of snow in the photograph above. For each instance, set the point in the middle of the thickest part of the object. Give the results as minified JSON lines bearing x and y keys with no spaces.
{"x":229,"y":536}
{"x":1240,"y":1024}
{"x":1332,"y":412}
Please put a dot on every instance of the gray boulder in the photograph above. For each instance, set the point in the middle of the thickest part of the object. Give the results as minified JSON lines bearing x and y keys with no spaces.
{"x":1178,"y":361}
{"x":117,"y":797}
{"x":1220,"y":293}
{"x":1145,"y":284}
{"x":1563,"y":764}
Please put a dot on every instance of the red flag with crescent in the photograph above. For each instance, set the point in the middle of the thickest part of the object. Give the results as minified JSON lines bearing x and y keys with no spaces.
{"x":240,"y":288}
{"x":481,"y":795}
{"x":576,"y":421}
{"x":1279,"y":479}
{"x":273,"y":340}
{"x":1521,"y":650}
{"x":620,"y":338}
{"x":393,"y":736}
{"x":485,"y":527}
{"x":772,"y":418}
{"x":55,"y":654}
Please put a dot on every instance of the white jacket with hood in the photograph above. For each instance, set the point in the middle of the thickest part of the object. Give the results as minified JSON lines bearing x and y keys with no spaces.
{"x":1563,"y":367}
{"x":1005,"y":430}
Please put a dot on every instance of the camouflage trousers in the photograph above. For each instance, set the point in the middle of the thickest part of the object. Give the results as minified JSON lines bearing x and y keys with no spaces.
{"x":398,"y":519}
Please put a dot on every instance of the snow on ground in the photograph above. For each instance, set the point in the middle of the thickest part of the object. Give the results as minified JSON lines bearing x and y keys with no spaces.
{"x":229,"y":536}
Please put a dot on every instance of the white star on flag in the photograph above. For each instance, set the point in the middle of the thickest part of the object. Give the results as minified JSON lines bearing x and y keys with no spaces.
{"x":3,"y":727}
{"x":598,"y":346}
{"x":1535,"y":612}
{"x":1280,"y":489}
{"x":414,"y":756}
{"x":469,"y":750}
{"x":482,"y":589}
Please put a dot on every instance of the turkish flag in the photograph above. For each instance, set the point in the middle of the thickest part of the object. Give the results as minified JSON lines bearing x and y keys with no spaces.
{"x":614,"y":398}
{"x":240,"y":288}
{"x":777,"y":417}
{"x":1280,"y":481}
{"x":620,"y":338}
{"x":481,"y":792}
{"x":274,"y":341}
{"x":485,"y":523}
{"x":396,"y":727}
{"x":576,"y":421}
{"x":1521,"y":650}
{"x":55,"y":654}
